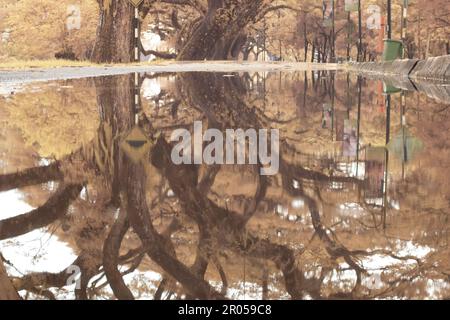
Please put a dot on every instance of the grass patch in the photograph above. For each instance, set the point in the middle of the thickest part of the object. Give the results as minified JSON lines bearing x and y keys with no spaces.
{"x":52,"y":63}
{"x":58,"y":63}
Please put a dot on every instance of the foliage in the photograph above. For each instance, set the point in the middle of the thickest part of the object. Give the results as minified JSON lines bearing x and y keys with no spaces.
{"x":39,"y":117}
{"x":40,"y":31}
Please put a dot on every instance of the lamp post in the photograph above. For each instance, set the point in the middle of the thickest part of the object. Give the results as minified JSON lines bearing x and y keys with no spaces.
{"x":333,"y":27}
{"x":389,"y":19}
{"x":359,"y":31}
{"x":404,"y":22}
{"x":279,"y":40}
{"x":349,"y":19}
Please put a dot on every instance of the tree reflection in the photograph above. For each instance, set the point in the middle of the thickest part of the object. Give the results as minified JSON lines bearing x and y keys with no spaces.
{"x":191,"y":224}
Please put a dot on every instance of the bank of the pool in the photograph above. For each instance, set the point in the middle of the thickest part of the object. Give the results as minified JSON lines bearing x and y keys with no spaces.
{"x":435,"y":68}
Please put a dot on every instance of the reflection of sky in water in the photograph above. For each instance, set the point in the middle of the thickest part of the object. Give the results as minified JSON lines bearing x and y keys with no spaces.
{"x":37,"y":250}
{"x":378,"y":264}
{"x":8,"y":89}
{"x":41,"y":251}
{"x":150,"y":88}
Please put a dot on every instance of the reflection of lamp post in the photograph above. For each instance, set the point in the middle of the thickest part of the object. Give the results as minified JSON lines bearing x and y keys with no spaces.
{"x":333,"y":92}
{"x":386,"y":162}
{"x":403,"y":124}
{"x":358,"y":125}
{"x":404,"y":145}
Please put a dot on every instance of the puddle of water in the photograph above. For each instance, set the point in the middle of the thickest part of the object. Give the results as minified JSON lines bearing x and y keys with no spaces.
{"x":357,"y":206}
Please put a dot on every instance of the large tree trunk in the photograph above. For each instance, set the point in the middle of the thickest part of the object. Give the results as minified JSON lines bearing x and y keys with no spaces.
{"x":55,"y":208}
{"x":115,"y":32}
{"x":115,"y":97}
{"x":29,"y":177}
{"x":217,"y":36}
{"x":7,"y":290}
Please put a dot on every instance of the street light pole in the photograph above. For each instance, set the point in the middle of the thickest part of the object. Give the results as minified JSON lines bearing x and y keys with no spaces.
{"x":359,"y":31}
{"x":404,"y":22}
{"x":389,"y":19}
{"x":333,"y":30}
{"x":279,"y":40}
{"x":265,"y":48}
{"x":348,"y":34}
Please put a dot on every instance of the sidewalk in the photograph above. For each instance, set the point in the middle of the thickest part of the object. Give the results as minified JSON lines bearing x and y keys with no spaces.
{"x":62,"y":73}
{"x":436,"y":68}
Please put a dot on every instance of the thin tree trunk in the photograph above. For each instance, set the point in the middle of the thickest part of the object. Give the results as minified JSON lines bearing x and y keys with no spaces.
{"x":305,"y":37}
{"x":419,"y":40}
{"x":427,"y":52}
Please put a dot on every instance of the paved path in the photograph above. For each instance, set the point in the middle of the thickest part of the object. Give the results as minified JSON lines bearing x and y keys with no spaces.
{"x":47,"y":74}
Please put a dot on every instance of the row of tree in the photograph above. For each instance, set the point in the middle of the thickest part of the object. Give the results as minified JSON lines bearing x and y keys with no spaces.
{"x":215,"y":29}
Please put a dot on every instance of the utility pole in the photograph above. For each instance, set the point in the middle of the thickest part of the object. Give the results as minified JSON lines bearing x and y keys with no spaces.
{"x":137,"y":59}
{"x":333,"y":48}
{"x":279,"y":40}
{"x":389,"y":19}
{"x":359,"y":31}
{"x":349,"y":21}
{"x":264,"y":32}
{"x":136,"y":29}
{"x":136,"y":35}
{"x":419,"y":42}
{"x":404,"y":22}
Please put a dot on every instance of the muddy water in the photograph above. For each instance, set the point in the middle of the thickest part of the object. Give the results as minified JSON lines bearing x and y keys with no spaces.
{"x":94,"y":204}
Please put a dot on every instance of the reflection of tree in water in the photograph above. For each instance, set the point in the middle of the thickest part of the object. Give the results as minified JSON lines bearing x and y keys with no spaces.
{"x":136,"y":201}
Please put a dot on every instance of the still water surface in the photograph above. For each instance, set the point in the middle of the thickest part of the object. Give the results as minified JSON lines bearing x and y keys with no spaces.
{"x":94,"y":208}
